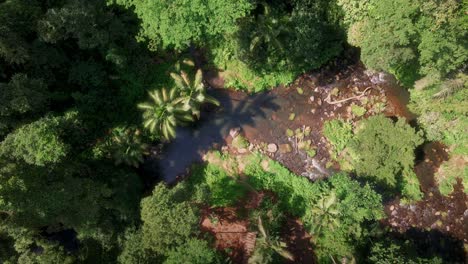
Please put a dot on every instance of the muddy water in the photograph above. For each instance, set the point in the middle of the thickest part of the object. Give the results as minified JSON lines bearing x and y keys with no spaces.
{"x":264,"y":118}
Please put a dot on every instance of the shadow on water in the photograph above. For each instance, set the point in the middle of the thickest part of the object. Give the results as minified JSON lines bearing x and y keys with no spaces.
{"x":237,"y":110}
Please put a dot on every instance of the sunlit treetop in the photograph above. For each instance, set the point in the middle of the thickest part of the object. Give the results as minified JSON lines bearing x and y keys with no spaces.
{"x":179,"y":23}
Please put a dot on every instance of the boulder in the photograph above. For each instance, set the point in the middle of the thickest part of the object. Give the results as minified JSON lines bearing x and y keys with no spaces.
{"x":272,"y":148}
{"x":285,"y":148}
{"x":234,"y":132}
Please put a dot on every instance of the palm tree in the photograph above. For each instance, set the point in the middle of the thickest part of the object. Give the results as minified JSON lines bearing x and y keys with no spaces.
{"x":127,"y":146}
{"x":268,"y":30}
{"x":164,"y":112}
{"x":325,"y":214}
{"x":265,"y":244}
{"x":193,"y":93}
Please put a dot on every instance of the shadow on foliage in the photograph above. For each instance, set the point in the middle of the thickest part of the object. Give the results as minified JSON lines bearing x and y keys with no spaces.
{"x":416,"y":245}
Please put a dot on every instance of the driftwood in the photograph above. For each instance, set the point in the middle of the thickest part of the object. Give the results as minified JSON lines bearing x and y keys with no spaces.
{"x":347,"y":99}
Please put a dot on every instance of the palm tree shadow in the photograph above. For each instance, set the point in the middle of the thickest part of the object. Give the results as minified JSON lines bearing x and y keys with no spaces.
{"x":192,"y":142}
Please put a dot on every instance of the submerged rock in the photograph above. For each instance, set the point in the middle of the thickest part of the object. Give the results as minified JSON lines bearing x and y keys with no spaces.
{"x":285,"y":148}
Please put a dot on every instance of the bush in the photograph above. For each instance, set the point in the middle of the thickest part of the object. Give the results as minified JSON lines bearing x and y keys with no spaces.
{"x":276,"y":43}
{"x":356,"y":205}
{"x":38,"y":143}
{"x":216,"y":186}
{"x":195,"y":251}
{"x":178,"y":24}
{"x":397,"y":251}
{"x":384,"y":150}
{"x":426,"y":37}
{"x":339,"y":133}
{"x":167,"y":221}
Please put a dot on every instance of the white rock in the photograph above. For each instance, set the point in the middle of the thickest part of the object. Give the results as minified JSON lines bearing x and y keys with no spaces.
{"x":272,"y":148}
{"x":234,"y":132}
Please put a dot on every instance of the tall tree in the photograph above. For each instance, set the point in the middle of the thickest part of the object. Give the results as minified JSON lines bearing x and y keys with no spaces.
{"x":180,"y":23}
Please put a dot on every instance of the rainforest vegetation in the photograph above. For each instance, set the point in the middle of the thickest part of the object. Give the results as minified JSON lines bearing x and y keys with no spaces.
{"x":92,"y":91}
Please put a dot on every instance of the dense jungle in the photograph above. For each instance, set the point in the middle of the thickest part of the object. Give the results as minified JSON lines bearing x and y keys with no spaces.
{"x":221,"y":131}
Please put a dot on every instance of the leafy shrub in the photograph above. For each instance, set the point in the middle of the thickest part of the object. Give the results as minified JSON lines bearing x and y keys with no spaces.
{"x":442,"y":107}
{"x":216,"y":186}
{"x":356,"y":205}
{"x":426,"y":36}
{"x":194,"y":251}
{"x":448,"y":173}
{"x":275,"y":44}
{"x":135,"y":251}
{"x":358,"y":110}
{"x":396,"y":251}
{"x":167,"y":221}
{"x":178,"y":24}
{"x":411,"y":187}
{"x":38,"y":143}
{"x":384,"y":150}
{"x":339,"y":133}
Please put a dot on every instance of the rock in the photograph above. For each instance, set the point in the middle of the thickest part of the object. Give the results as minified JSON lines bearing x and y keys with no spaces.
{"x":316,"y":89}
{"x":313,"y":111}
{"x":437,"y":213}
{"x":392,"y":208}
{"x":349,"y":110}
{"x":285,"y":148}
{"x":265,"y":165}
{"x":242,"y":150}
{"x":272,"y":148}
{"x":312,"y":98}
{"x":234,"y":132}
{"x":319,"y":102}
{"x":251,"y":147}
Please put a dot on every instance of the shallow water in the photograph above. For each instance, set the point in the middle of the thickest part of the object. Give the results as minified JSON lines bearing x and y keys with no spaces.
{"x":264,"y":118}
{"x":237,"y":111}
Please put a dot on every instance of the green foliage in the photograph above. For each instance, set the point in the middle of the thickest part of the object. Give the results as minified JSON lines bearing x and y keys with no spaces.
{"x":275,"y":44}
{"x":384,"y":150}
{"x":90,"y":23}
{"x":355,"y":205}
{"x":396,"y":251}
{"x":449,"y":172}
{"x":23,"y":95}
{"x":426,"y":37}
{"x":167,"y":222}
{"x":46,"y":253}
{"x":325,"y":214}
{"x":176,"y":106}
{"x":442,"y":107}
{"x":240,"y":142}
{"x":355,"y":10}
{"x":163,"y":114}
{"x":339,"y":133}
{"x":194,"y":251}
{"x":266,"y":246}
{"x":16,"y":26}
{"x":127,"y":147}
{"x":411,"y":187}
{"x":38,"y":143}
{"x":134,"y":251}
{"x":177,"y":24}
{"x":358,"y":110}
{"x":216,"y":185}
{"x":193,"y":93}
